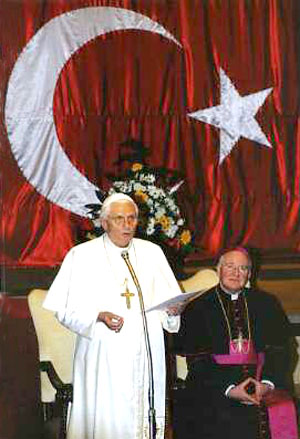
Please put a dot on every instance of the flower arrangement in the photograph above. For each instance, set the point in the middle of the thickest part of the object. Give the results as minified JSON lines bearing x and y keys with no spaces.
{"x":160,"y":219}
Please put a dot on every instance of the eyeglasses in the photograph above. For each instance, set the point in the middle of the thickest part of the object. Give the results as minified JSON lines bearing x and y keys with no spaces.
{"x":121,"y":220}
{"x":243,"y":269}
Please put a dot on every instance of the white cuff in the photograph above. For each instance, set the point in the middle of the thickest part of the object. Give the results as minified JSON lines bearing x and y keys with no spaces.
{"x":229,"y":388}
{"x":272,"y":385}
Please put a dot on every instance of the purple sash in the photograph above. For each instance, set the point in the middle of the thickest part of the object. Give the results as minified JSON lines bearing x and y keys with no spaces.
{"x":248,"y":355}
{"x":283,"y":419}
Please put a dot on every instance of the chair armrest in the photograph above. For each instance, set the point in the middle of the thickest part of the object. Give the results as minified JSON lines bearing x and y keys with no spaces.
{"x":64,"y":392}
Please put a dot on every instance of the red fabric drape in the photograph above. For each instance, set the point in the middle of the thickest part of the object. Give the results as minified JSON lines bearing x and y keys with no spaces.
{"x":135,"y":84}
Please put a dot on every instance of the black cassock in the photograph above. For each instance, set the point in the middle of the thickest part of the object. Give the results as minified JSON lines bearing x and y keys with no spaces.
{"x":208,"y":324}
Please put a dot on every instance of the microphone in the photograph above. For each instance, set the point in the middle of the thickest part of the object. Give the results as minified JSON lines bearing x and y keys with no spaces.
{"x":151,"y":414}
{"x":125,"y":256}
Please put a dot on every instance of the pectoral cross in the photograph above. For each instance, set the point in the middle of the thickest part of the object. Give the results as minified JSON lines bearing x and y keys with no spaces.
{"x":239,"y":343}
{"x":127,"y":294}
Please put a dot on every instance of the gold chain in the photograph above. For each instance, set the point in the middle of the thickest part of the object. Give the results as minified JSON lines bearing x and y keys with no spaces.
{"x":226,"y":317}
{"x":115,"y":275}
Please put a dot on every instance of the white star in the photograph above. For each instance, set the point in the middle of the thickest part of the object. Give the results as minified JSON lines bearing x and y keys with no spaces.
{"x":234,"y":116}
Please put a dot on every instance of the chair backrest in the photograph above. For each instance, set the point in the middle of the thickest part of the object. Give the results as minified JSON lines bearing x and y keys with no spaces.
{"x":202,"y":280}
{"x":56,"y":343}
{"x":296,"y":373}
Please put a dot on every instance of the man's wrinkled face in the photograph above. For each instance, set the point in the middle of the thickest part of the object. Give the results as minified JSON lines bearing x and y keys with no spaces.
{"x":121,"y":222}
{"x":234,"y":270}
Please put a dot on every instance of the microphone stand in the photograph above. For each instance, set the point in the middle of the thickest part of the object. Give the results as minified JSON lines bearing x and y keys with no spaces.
{"x":151,"y":413}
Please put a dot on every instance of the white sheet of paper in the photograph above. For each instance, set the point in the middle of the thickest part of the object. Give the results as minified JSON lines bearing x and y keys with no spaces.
{"x":180,"y":300}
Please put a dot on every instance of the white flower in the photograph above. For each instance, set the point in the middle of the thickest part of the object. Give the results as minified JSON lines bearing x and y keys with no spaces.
{"x":148,"y":178}
{"x":123,"y":186}
{"x":139,"y":187}
{"x":172,"y":230}
{"x":160,"y":212}
{"x":96,"y":222}
{"x":150,"y":227}
{"x":155,"y":192}
{"x":170,"y":203}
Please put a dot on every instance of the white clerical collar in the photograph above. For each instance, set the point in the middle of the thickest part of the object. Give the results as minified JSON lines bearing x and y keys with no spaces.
{"x":233,"y":296}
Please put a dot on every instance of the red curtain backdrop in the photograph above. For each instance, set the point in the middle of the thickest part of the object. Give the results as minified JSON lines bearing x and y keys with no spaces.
{"x":141,"y":85}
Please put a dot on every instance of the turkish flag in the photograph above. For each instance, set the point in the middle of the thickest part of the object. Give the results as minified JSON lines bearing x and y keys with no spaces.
{"x":187,"y":79}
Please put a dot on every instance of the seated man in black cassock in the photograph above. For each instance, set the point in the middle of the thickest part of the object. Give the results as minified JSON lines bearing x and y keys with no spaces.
{"x":236,"y":340}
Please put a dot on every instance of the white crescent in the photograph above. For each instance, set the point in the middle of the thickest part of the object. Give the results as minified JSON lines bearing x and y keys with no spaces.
{"x":29,"y":100}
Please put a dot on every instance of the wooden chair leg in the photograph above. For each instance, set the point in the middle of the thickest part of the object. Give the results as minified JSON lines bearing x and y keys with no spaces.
{"x":63,"y":421}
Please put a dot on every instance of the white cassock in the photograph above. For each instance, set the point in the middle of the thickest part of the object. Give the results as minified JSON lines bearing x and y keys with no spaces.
{"x":110,"y":369}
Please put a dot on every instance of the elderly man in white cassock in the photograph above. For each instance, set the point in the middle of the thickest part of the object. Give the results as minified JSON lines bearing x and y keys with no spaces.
{"x":95,"y":296}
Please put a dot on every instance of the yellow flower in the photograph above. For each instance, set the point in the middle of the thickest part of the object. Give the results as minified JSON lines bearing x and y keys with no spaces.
{"x":136,"y":167}
{"x":185,"y":237}
{"x":141,"y":196}
{"x":164,"y":221}
{"x":91,"y":235}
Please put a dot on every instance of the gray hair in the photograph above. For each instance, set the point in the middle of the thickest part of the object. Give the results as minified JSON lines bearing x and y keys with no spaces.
{"x":115,"y":198}
{"x":236,"y":249}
